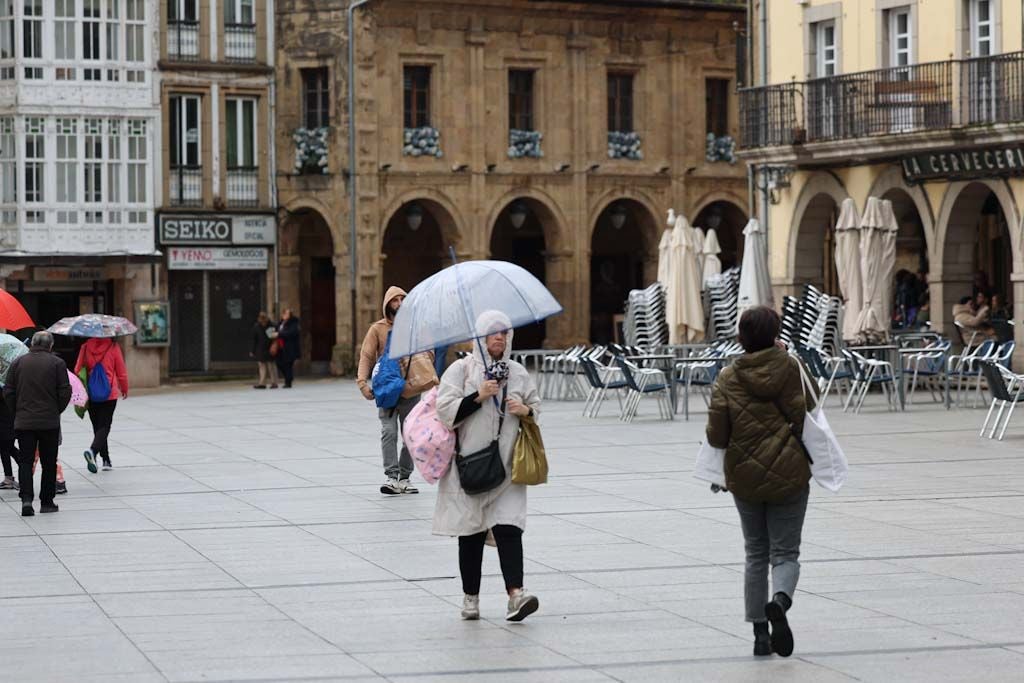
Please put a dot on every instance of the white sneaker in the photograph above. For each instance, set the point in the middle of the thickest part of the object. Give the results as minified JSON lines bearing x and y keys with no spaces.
{"x":407,"y":487}
{"x":391,"y":487}
{"x":471,"y":607}
{"x":521,"y":605}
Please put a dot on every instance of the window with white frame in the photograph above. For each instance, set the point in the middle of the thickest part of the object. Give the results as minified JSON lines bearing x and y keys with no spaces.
{"x":241,"y":132}
{"x":982,"y":28}
{"x":239,"y":12}
{"x":135,"y":38}
{"x":900,"y":47}
{"x":138,"y":154}
{"x":113,"y":37}
{"x":183,"y":29}
{"x":35,"y":158}
{"x":8,"y":164}
{"x":825,"y":48}
{"x":242,"y":177}
{"x":114,"y":167}
{"x":64,"y":30}
{"x":185,"y":138}
{"x":6,"y":40}
{"x":92,"y":26}
{"x":93,"y":162}
{"x":32,"y":36}
{"x":67,"y":160}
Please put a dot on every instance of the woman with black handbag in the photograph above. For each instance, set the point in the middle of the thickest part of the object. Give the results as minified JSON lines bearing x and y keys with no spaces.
{"x":482,"y":397}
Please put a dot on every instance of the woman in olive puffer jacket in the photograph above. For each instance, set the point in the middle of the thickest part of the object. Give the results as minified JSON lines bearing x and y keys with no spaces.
{"x":756,"y":415}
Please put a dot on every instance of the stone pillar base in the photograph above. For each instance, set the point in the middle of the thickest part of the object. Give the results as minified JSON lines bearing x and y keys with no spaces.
{"x":343,"y":360}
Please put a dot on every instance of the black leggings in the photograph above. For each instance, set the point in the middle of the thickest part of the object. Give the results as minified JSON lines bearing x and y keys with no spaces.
{"x":101,"y":414}
{"x":510,"y":553}
{"x":8,"y":453}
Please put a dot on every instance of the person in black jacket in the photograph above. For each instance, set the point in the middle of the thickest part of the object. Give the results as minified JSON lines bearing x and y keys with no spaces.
{"x":263,"y":333}
{"x":288,"y":331}
{"x":37,"y":392}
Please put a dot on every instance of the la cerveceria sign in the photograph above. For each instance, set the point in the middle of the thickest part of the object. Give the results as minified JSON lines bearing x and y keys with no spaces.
{"x":962,"y":164}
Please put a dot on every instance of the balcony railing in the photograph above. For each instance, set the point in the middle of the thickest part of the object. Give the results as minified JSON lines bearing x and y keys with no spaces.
{"x":993,"y":89}
{"x":918,"y":97}
{"x":243,"y":187}
{"x":183,"y":40}
{"x":186,"y":187}
{"x":768,"y":115}
{"x":240,"y":42}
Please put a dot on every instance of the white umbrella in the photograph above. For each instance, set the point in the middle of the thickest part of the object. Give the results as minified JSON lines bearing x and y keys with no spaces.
{"x":665,"y":257}
{"x":873,"y":226}
{"x":892,"y":228}
{"x":712,"y":264}
{"x":848,"y":265}
{"x":684,"y":311}
{"x":698,"y":252}
{"x":755,"y":281}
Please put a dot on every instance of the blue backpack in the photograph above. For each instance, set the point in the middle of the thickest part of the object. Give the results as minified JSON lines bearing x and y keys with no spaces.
{"x":387,"y":381}
{"x":99,"y":384}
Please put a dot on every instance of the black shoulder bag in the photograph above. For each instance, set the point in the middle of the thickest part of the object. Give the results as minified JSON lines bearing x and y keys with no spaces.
{"x":483,"y":470}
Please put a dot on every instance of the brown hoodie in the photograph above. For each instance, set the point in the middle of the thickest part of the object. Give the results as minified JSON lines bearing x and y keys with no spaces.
{"x":421,"y":376}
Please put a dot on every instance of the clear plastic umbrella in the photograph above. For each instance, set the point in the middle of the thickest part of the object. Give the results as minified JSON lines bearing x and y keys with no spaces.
{"x":442,"y":309}
{"x":10,"y":350}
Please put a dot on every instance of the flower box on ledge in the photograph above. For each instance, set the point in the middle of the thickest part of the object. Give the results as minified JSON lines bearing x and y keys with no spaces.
{"x":720,"y":149}
{"x":311,"y":150}
{"x":422,"y":142}
{"x":624,"y":145}
{"x":525,"y":144}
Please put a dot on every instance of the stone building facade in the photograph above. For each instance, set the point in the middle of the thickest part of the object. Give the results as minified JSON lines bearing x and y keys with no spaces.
{"x":552,"y":134}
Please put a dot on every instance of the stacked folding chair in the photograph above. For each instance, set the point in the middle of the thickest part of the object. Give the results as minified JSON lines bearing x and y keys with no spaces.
{"x":722,"y":297}
{"x":644,"y":323}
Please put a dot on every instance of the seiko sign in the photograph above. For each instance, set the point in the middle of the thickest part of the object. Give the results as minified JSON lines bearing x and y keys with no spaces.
{"x":195,"y":229}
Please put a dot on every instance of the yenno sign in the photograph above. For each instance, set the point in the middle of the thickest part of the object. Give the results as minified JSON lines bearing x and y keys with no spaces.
{"x":217,"y":258}
{"x":964,"y":164}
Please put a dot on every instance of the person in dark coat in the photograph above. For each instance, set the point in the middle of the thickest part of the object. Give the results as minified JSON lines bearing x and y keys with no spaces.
{"x":8,"y":451}
{"x":289,"y":332}
{"x":757,"y":415}
{"x":37,"y":392}
{"x":263,"y":334}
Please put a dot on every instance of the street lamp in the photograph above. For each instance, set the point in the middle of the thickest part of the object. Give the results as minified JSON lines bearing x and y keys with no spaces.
{"x":618,"y":216}
{"x":414,"y":216}
{"x":517,"y":214}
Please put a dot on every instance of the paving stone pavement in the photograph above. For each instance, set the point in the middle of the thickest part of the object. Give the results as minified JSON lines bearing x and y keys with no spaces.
{"x":241,"y":536}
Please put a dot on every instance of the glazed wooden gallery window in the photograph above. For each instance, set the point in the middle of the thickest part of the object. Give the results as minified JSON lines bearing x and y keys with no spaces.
{"x":416,"y":86}
{"x":620,"y":102}
{"x":520,"y":99}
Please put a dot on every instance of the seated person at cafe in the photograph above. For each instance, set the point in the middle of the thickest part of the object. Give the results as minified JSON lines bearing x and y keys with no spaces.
{"x":999,"y":310}
{"x":974,"y":317}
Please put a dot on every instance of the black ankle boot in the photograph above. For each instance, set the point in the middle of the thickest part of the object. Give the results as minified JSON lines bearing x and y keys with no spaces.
{"x":782,"y":636}
{"x":762,"y":641}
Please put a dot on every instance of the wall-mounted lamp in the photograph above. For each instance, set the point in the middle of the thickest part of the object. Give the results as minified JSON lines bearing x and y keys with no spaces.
{"x":491,"y":167}
{"x":414,"y":216}
{"x":384,"y":168}
{"x":774,"y":178}
{"x":517,"y":214}
{"x":562,"y":168}
{"x":460,"y":168}
{"x":664,"y":170}
{"x":593,"y":168}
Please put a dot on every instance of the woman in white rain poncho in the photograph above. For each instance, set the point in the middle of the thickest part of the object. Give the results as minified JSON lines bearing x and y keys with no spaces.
{"x":474,"y":394}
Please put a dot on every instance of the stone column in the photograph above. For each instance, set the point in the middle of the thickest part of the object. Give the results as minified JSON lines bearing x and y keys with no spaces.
{"x":1017,"y":279}
{"x":560,"y":270}
{"x":343,"y":355}
{"x":574,"y":324}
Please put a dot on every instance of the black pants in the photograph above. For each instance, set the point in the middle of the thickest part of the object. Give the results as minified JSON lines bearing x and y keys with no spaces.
{"x":510,"y":554}
{"x":47,"y":441}
{"x":101,"y":414}
{"x":287,"y":368}
{"x":8,"y":452}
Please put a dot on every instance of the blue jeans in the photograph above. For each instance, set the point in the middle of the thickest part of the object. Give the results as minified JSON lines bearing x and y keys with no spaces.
{"x":771,"y":532}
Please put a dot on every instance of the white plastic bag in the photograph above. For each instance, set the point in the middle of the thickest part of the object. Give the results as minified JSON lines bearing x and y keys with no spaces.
{"x":830,"y":466}
{"x":710,"y":465}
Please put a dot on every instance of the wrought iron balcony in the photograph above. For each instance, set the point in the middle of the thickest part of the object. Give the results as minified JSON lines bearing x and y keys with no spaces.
{"x":183,"y":40}
{"x":899,"y":100}
{"x":186,"y":186}
{"x":243,"y":187}
{"x":240,"y":42}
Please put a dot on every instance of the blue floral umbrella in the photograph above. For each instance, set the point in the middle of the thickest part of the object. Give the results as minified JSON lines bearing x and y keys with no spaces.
{"x":10,"y":349}
{"x":94,"y":325}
